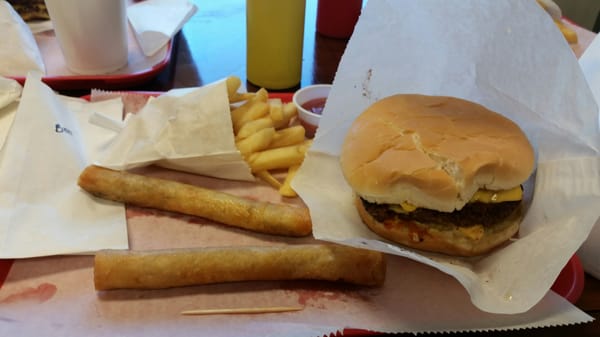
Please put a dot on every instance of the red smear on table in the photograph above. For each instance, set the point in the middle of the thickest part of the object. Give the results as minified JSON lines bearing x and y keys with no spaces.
{"x":317,"y":295}
{"x":39,"y":294}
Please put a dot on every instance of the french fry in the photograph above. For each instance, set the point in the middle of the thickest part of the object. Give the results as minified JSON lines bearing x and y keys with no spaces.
{"x":255,"y":111}
{"x":239,"y":111}
{"x":281,"y":157}
{"x":265,"y":150}
{"x":253,"y":126}
{"x":286,"y":188}
{"x":276,"y":109}
{"x":267,"y":177}
{"x":262,"y":95}
{"x":241,"y":96}
{"x":288,"y":136}
{"x":233,"y":85}
{"x":289,"y":111}
{"x":258,"y":141}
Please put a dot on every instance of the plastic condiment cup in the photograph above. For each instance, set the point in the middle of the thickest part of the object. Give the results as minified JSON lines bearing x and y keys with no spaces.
{"x":92,"y":34}
{"x":309,"y":119}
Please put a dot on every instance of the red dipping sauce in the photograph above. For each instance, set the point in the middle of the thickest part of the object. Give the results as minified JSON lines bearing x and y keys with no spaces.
{"x":315,"y":105}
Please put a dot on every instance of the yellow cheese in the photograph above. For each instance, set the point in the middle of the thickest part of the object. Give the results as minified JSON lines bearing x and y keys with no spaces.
{"x":486,"y":196}
{"x":404,"y":207}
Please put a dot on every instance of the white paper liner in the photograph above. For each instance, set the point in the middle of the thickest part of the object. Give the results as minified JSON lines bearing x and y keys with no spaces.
{"x":56,"y":294}
{"x":492,"y":55}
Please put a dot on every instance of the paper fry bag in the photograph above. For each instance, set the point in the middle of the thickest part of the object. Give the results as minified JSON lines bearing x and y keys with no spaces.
{"x":188,"y":130}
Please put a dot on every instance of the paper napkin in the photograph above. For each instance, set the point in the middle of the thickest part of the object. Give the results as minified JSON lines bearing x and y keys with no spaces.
{"x":42,"y":210}
{"x":490,"y":53}
{"x":19,"y":52}
{"x":155,"y":22}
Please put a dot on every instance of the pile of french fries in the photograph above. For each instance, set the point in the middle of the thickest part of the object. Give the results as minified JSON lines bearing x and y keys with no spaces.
{"x":266,"y":135}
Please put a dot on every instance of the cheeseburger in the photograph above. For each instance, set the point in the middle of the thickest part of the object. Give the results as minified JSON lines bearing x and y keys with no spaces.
{"x":436,"y":173}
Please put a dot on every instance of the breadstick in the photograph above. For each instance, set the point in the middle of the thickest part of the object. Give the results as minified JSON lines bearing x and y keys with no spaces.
{"x":258,"y":216}
{"x":125,"y":269}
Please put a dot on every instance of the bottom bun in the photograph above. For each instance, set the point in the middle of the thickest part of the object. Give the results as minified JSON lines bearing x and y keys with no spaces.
{"x":448,"y":239}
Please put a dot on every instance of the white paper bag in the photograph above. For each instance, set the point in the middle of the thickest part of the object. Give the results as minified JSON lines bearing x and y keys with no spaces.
{"x":184,"y":129}
{"x":42,"y":210}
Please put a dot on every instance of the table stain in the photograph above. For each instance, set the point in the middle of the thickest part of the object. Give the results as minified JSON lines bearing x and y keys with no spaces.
{"x":39,"y":294}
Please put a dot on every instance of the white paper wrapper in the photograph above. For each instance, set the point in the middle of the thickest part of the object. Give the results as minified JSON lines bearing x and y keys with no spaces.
{"x":19,"y":52}
{"x":155,"y":22}
{"x":590,"y":65}
{"x":491,"y":54}
{"x":42,"y":210}
{"x":56,"y":294}
{"x":10,"y":91}
{"x":188,"y":130}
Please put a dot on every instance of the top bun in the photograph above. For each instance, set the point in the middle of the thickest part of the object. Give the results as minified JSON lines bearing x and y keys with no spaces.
{"x":433,"y":152}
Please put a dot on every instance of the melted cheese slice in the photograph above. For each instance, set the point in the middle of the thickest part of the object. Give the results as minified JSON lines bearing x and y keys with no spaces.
{"x":485,"y":196}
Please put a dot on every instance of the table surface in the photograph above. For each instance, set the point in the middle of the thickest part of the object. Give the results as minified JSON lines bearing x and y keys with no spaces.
{"x":212,"y":46}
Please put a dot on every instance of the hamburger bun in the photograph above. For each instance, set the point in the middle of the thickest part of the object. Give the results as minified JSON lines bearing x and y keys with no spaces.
{"x":441,"y":169}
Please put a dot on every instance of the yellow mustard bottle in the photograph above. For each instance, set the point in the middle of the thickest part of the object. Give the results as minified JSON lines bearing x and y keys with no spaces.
{"x":274,"y":39}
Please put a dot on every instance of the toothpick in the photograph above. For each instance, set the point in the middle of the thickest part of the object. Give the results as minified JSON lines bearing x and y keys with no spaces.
{"x":257,"y":310}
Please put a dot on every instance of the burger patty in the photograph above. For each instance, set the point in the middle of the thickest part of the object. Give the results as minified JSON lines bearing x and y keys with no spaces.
{"x":475,"y":213}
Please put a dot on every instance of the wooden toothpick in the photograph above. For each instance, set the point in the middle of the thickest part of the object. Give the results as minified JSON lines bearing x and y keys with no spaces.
{"x":256,"y":310}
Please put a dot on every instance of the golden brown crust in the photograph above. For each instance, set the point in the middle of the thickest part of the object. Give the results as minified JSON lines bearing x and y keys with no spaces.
{"x":452,"y":241}
{"x":118,"y":269}
{"x":433,"y":152}
{"x":258,"y":216}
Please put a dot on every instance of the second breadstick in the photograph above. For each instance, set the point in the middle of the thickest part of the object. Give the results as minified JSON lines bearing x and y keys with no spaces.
{"x":259,"y":216}
{"x":119,"y":269}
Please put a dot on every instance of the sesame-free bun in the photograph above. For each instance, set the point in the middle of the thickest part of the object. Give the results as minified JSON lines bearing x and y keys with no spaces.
{"x":433,"y":152}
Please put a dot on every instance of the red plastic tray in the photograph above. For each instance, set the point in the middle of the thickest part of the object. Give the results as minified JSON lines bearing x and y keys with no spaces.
{"x":106,"y":81}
